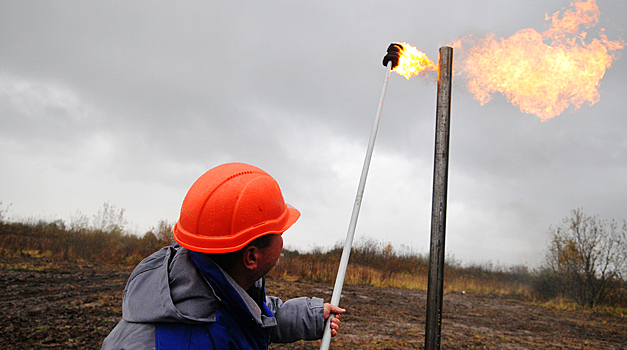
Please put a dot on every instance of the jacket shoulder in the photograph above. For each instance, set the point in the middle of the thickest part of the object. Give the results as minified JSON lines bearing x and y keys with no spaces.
{"x":130,"y":336}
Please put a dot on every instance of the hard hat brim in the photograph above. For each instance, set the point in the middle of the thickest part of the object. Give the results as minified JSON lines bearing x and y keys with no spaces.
{"x":226,"y":244}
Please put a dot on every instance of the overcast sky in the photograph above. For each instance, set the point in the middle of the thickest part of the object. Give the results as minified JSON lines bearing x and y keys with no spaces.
{"x":130,"y":102}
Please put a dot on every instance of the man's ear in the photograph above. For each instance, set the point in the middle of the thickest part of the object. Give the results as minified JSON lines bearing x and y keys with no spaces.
{"x":250,"y":257}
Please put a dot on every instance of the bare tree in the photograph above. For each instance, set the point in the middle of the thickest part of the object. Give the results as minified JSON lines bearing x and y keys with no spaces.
{"x":3,"y":213}
{"x":587,"y":256}
{"x":163,"y":232}
{"x":109,"y":219}
{"x":79,"y":222}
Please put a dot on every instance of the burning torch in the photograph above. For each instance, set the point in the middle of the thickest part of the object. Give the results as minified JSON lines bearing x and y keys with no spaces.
{"x":390,"y":61}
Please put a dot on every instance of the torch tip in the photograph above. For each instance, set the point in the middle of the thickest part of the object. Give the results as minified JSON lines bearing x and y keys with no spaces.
{"x":393,"y":54}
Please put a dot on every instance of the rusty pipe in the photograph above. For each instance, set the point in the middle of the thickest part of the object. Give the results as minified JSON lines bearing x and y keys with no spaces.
{"x":435,"y":289}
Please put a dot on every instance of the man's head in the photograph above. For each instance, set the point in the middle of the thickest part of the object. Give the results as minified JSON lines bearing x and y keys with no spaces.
{"x":266,"y":244}
{"x":253,"y":261}
{"x":230,"y":207}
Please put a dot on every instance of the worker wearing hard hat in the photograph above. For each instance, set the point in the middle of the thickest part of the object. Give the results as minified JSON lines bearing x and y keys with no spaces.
{"x":207,"y":290}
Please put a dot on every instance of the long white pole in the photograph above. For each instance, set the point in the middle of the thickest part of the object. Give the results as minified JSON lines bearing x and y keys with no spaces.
{"x":341,"y":273}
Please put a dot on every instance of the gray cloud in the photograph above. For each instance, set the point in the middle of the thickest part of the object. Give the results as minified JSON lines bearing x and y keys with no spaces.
{"x":130,"y":102}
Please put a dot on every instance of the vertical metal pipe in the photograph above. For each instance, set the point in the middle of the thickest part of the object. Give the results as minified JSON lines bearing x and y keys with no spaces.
{"x":435,"y":291}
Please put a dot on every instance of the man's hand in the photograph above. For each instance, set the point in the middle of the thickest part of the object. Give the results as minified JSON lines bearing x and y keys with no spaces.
{"x":335,"y":320}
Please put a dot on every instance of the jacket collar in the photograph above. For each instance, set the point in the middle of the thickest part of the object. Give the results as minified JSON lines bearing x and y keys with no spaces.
{"x":228,"y":291}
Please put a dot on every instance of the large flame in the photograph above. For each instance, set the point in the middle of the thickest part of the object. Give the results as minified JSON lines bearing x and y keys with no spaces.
{"x":542,"y":73}
{"x":413,"y":62}
{"x":539,"y":78}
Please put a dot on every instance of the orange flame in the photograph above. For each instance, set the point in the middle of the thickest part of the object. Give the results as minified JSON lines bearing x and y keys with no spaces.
{"x":539,"y":78}
{"x":543,"y":79}
{"x":412,"y":62}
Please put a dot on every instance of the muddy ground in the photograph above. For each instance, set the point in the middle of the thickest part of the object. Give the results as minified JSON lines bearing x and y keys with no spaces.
{"x":58,"y":305}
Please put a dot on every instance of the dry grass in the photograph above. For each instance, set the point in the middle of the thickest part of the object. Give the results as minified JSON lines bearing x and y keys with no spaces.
{"x":371,"y":263}
{"x":378,"y":265}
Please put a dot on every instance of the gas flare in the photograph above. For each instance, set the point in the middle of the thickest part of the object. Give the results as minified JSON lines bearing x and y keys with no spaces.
{"x":539,"y":78}
{"x":412,"y":62}
{"x":540,"y":73}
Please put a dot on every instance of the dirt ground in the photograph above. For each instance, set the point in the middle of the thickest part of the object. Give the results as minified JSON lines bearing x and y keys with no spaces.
{"x":52,"y":305}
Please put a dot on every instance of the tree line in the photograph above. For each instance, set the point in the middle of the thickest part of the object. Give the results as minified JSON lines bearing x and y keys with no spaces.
{"x":585,"y":261}
{"x":103,"y":238}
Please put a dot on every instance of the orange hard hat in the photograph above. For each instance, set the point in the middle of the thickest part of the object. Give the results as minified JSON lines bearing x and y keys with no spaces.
{"x":229,"y":206}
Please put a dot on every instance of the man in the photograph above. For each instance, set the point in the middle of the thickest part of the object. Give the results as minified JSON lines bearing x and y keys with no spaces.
{"x":207,"y":290}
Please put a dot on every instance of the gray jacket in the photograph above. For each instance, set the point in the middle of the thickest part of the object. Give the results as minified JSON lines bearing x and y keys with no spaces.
{"x":167,"y":287}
